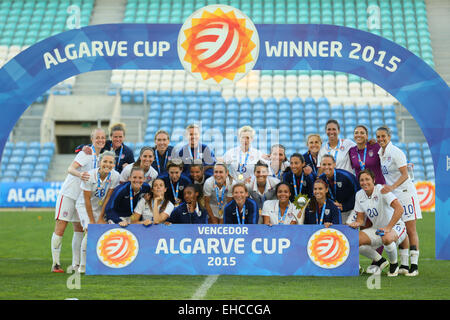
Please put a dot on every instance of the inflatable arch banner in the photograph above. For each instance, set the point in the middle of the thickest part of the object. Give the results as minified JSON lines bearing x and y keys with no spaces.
{"x":221,"y":46}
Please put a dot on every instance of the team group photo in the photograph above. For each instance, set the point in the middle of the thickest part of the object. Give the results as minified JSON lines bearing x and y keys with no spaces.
{"x":224,"y":150}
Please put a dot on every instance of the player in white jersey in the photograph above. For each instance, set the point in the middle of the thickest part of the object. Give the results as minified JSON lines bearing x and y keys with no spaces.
{"x":242,"y":159}
{"x":217,"y":193}
{"x":145,"y":160}
{"x":336,"y":147}
{"x":282,"y":210}
{"x":65,"y":210}
{"x":153,"y":207}
{"x":395,"y":172}
{"x":96,"y":192}
{"x":384,"y":211}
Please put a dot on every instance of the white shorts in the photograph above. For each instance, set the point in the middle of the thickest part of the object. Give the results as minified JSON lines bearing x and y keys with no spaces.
{"x":375,"y":240}
{"x":65,"y":209}
{"x":348,"y":217}
{"x":410,"y":202}
{"x":84,"y":217}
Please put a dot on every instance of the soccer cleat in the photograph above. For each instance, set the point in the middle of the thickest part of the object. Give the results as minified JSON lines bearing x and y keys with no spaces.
{"x":82,"y":269}
{"x":57,"y":269}
{"x":403,"y":270}
{"x":372,"y":268}
{"x":381,"y":264}
{"x":413,"y":271}
{"x":393,"y":270}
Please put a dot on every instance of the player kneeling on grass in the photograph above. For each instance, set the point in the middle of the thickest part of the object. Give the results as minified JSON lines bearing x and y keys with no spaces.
{"x":384,"y":211}
{"x":96,"y":193}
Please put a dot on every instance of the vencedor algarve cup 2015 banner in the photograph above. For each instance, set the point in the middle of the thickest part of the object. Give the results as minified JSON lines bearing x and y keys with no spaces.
{"x":219,"y":45}
{"x":223,"y":249}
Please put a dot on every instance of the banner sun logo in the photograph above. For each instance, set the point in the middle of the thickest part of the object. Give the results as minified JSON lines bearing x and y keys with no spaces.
{"x":218,"y":44}
{"x":117,"y":248}
{"x":328,"y":248}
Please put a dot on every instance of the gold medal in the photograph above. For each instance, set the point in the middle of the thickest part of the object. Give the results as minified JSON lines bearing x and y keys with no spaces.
{"x":220,"y":212}
{"x":100,"y":202}
{"x":241,"y":177}
{"x":260,"y":211}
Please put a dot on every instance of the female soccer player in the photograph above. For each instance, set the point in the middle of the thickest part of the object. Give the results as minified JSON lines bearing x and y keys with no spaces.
{"x":175,"y":182}
{"x":242,"y":159}
{"x":163,"y":152}
{"x":394,"y":168}
{"x":282,"y":210}
{"x":301,"y":182}
{"x":124,"y":155}
{"x":342,"y":186}
{"x":197,"y":173}
{"x":365,"y":154}
{"x":96,"y":193}
{"x":194,"y":150}
{"x":154,"y":207}
{"x":278,"y":162}
{"x":314,"y":143}
{"x":262,"y":187}
{"x":217,"y":193}
{"x":384,"y":211}
{"x":242,"y":209}
{"x":336,"y":147}
{"x":189,"y":211}
{"x":321,"y":209}
{"x":146,"y":157}
{"x":125,"y":197}
{"x":65,"y":210}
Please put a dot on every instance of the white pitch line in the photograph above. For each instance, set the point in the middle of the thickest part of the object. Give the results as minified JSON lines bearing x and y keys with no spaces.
{"x":203,"y":289}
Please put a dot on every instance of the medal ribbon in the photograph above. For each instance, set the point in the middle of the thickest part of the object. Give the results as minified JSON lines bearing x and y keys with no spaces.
{"x":175,"y":194}
{"x":99,"y":188}
{"x":322,"y":214}
{"x":95,"y":156}
{"x":197,"y":155}
{"x":243,"y":214}
{"x":166,"y":154}
{"x":131,"y":199}
{"x":333,"y":196}
{"x":362,"y":163}
{"x":241,"y":167}
{"x":120,"y":155}
{"x":337,"y":149}
{"x":220,"y":201}
{"x":295,"y":184}
{"x":314,"y":165}
{"x":280,"y":219}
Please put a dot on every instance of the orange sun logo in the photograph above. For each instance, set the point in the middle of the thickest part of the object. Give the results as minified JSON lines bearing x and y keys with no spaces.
{"x":117,"y":248}
{"x":218,"y":44}
{"x":328,"y":248}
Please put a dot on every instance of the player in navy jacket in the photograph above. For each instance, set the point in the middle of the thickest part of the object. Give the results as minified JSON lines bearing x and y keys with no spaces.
{"x":342,"y":186}
{"x":175,"y":182}
{"x":303,"y":183}
{"x":196,"y":151}
{"x":190,"y":211}
{"x":163,"y":152}
{"x":242,"y":209}
{"x":321,"y":209}
{"x":125,"y":197}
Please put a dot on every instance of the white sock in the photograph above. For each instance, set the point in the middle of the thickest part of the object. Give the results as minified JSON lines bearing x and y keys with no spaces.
{"x":76,"y":247}
{"x":83,"y":251}
{"x":404,"y":257}
{"x":56,"y":248}
{"x":391,"y":251}
{"x":414,"y":256}
{"x":369,"y":252}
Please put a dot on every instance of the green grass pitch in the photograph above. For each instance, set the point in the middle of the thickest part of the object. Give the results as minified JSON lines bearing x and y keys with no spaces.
{"x":25,"y":262}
